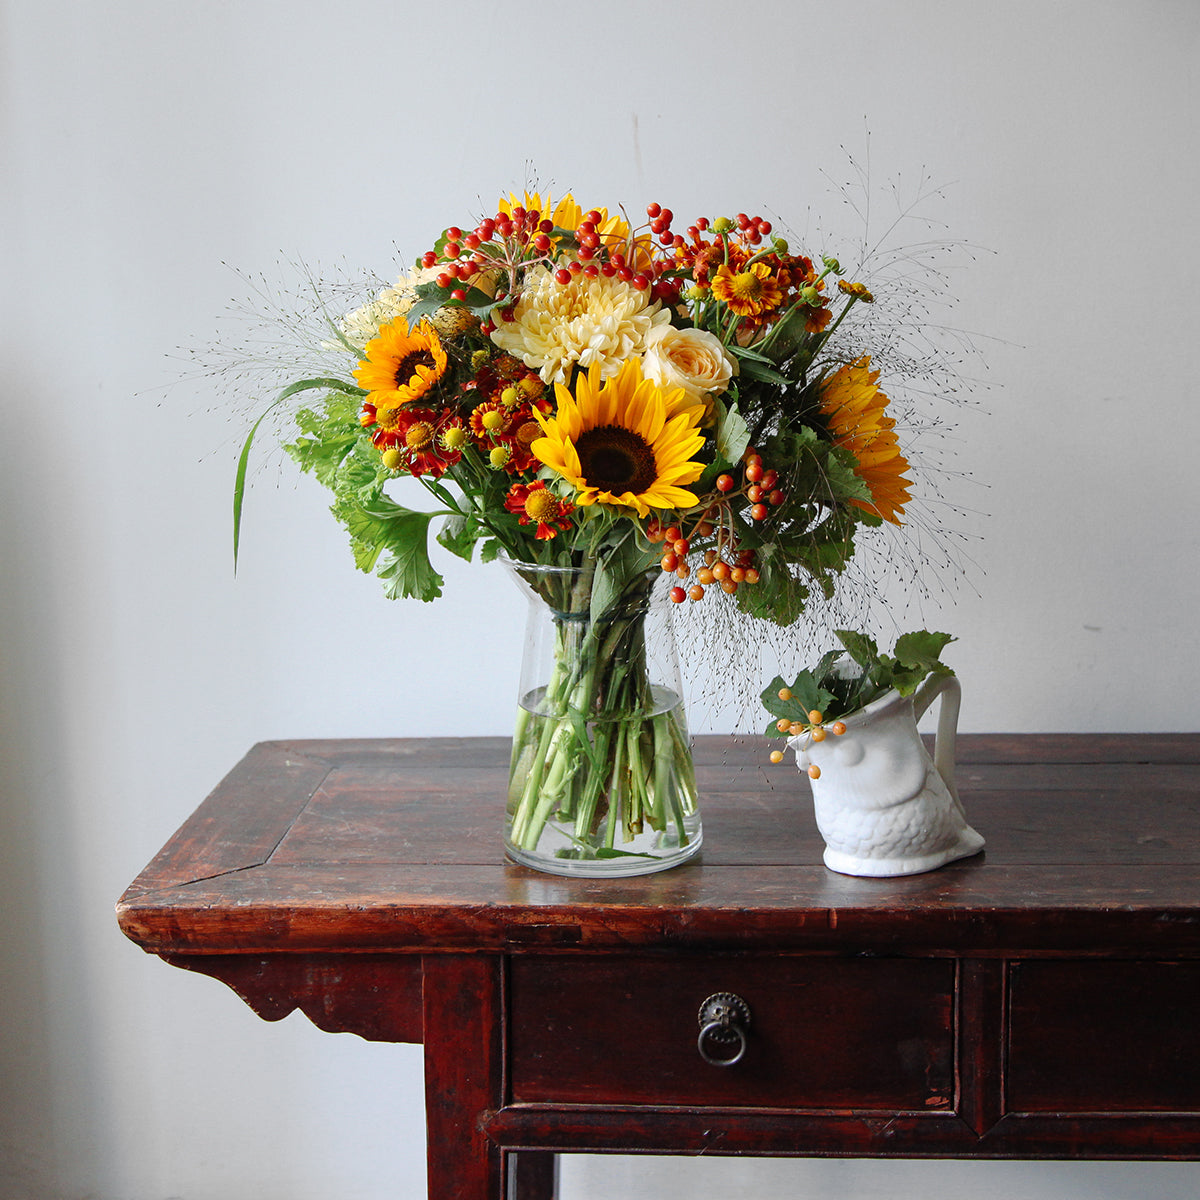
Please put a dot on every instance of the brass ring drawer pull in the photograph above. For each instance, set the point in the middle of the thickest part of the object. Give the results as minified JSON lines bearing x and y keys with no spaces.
{"x":724,"y":1019}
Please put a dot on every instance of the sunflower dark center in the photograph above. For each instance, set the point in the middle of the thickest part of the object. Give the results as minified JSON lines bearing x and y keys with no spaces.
{"x":614,"y":459}
{"x":406,"y":368}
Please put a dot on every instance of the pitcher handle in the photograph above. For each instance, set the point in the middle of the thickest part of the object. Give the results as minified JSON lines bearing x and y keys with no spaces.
{"x":948,"y":687}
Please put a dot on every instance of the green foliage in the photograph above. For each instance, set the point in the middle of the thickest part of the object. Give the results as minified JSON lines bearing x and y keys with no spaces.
{"x":807,"y":695}
{"x":408,"y":572}
{"x":779,"y":595}
{"x":385,"y":537}
{"x":837,"y":692}
{"x":328,"y":439}
{"x":732,"y":435}
{"x":432,"y":297}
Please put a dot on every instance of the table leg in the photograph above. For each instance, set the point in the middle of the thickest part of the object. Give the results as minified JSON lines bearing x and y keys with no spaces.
{"x":532,"y":1175}
{"x":463,"y":1028}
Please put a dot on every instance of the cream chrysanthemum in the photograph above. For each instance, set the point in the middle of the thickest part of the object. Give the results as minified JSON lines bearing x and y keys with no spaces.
{"x":590,"y":321}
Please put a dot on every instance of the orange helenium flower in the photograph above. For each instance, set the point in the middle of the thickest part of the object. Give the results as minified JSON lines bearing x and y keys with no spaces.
{"x":749,"y":292}
{"x":535,"y":503}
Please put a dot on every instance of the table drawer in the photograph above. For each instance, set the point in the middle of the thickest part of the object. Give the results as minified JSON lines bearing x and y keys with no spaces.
{"x":824,"y":1033}
{"x":1103,"y":1037}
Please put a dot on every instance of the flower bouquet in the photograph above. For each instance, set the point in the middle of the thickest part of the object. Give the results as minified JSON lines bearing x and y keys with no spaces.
{"x":601,"y":403}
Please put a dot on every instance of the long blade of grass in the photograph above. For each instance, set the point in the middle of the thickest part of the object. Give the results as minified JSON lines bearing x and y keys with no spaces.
{"x":239,"y":483}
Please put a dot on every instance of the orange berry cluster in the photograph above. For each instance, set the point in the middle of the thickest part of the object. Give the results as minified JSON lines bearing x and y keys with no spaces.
{"x":761,"y":486}
{"x":815,"y":727}
{"x":729,"y":576}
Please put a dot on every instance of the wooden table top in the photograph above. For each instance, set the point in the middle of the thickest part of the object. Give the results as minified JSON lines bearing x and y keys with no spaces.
{"x":1093,"y":841}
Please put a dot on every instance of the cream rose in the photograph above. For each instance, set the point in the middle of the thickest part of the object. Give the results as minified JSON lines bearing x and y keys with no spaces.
{"x":692,"y":359}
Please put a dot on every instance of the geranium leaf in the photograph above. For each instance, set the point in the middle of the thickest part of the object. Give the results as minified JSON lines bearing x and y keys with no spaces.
{"x":459,"y":534}
{"x":859,"y":646}
{"x":922,"y":649}
{"x":386,"y":527}
{"x":409,"y":572}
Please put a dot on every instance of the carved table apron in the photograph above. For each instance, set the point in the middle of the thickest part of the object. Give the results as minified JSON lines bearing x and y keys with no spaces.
{"x":1041,"y":1000}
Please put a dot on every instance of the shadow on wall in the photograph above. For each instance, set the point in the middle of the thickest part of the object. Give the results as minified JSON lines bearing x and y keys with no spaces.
{"x":42,"y":1035}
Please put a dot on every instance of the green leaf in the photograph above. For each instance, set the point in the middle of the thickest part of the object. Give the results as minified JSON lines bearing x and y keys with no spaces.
{"x":806,"y":695}
{"x":906,"y":680}
{"x":733,"y":435}
{"x":409,"y":573}
{"x":789,"y":334}
{"x":845,"y":483}
{"x":386,"y":527}
{"x":779,"y":596}
{"x":431,"y":297}
{"x":841,"y":693}
{"x":859,"y":646}
{"x":327,"y":439}
{"x":753,"y":369}
{"x":459,"y":534}
{"x":922,"y":649}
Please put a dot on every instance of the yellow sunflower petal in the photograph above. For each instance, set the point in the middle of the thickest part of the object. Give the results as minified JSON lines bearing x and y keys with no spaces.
{"x":645,"y":413}
{"x":671,"y":497}
{"x":855,"y":410}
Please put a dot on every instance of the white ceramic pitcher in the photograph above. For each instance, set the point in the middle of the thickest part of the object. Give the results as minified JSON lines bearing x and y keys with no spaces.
{"x":883,"y":806}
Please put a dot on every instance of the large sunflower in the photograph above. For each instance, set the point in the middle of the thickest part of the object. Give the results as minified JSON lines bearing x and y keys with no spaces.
{"x":401,"y":365}
{"x":623,"y":441}
{"x":855,"y":410}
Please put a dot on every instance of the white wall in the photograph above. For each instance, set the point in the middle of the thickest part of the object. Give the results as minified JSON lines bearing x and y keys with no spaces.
{"x":148,"y":142}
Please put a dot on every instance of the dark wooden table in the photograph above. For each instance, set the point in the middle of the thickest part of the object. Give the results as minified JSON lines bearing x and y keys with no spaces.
{"x":1041,"y":1000}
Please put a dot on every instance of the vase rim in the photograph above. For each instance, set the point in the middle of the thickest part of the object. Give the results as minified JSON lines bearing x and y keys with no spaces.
{"x":516,"y":564}
{"x":859,"y":717}
{"x":520,"y":564}
{"x":888,"y":699}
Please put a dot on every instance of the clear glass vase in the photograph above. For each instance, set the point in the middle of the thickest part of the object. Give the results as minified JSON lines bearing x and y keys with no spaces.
{"x":601,"y":781}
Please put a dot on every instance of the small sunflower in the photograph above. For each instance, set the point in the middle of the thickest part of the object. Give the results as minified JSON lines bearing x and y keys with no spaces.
{"x":623,"y":441}
{"x":855,"y":410}
{"x":401,"y":365}
{"x":749,"y":292}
